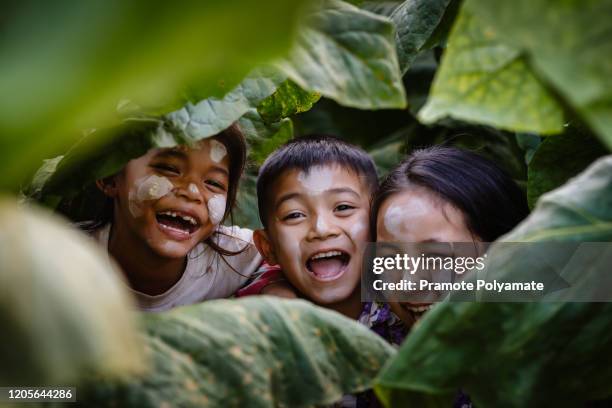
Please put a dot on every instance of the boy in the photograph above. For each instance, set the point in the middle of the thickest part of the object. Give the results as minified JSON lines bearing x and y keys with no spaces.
{"x":314,"y":201}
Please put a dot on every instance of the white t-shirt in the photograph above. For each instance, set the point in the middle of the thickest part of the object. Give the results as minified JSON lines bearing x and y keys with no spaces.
{"x":207,"y":275}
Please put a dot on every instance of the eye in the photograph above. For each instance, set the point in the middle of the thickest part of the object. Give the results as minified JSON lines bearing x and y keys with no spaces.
{"x":344,"y":207}
{"x":216,"y":184}
{"x":166,"y":168}
{"x":293,"y":216}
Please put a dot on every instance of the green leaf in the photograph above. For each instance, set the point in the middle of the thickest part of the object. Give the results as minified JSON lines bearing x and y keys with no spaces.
{"x":383,"y":8}
{"x":529,"y":143}
{"x":64,"y":310}
{"x":348,"y":55}
{"x":68,"y":65}
{"x":558,"y":158}
{"x":415,"y":22}
{"x":580,"y":210}
{"x":256,"y":352}
{"x":388,"y":154}
{"x":49,"y":167}
{"x":264,"y":137}
{"x":213,"y":115}
{"x":484,"y":80}
{"x":505,"y":354}
{"x":568,"y":44}
{"x":89,"y":160}
{"x":246,"y":213}
{"x":288,"y":100}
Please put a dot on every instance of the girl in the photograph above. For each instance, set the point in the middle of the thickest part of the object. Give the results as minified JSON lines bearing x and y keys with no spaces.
{"x":444,"y":194}
{"x":163,"y":224}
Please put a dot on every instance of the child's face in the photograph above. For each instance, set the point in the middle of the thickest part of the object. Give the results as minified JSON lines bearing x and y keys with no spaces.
{"x":171,"y":199}
{"x":417,"y":216}
{"x":317,"y":228}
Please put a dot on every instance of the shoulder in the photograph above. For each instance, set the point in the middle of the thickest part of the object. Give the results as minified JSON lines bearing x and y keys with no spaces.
{"x":233,"y":238}
{"x":100,"y":235}
{"x":240,"y":240}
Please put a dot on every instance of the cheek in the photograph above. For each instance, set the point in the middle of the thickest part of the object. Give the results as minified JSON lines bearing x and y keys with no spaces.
{"x":358,"y":231}
{"x":287,"y":245}
{"x":216,"y":208}
{"x":147,"y":189}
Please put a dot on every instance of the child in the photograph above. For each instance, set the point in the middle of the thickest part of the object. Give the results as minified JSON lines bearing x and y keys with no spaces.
{"x":165,"y":227}
{"x":444,"y":194}
{"x":314,"y":200}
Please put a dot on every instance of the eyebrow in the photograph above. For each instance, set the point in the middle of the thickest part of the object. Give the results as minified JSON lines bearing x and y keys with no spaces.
{"x":221,"y":170}
{"x":286,"y":197}
{"x":343,"y":190}
{"x":290,"y":196}
{"x":168,"y":153}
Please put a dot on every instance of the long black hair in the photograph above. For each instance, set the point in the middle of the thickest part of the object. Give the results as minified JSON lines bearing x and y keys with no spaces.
{"x":490,"y":200}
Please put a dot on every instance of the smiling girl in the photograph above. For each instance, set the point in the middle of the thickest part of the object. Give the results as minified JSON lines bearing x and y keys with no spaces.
{"x":444,"y":195}
{"x":165,"y":228}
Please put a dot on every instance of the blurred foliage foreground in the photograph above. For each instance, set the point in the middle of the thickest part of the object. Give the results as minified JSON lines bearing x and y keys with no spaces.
{"x":526,"y":83}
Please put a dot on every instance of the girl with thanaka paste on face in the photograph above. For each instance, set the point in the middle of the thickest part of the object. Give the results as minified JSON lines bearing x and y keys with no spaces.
{"x":165,"y":226}
{"x":444,"y":195}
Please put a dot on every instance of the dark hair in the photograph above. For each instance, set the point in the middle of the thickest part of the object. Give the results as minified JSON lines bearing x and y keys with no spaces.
{"x":490,"y":200}
{"x":305,"y":153}
{"x":234,"y":141}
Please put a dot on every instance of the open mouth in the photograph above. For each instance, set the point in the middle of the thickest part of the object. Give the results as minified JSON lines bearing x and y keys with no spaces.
{"x":417,"y":310}
{"x":328,"y":265}
{"x":177,"y":224}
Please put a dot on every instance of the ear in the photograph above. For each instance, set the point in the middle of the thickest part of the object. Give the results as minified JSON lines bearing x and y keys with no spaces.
{"x":264,"y":246}
{"x":108,"y":186}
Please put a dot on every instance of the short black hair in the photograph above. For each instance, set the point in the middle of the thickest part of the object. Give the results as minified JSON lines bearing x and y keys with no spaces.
{"x":490,"y":200}
{"x":305,"y":153}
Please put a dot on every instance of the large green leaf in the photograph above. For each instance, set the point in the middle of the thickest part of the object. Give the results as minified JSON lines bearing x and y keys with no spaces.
{"x":264,"y":137}
{"x":481,"y":79}
{"x":81,"y":165}
{"x":256,"y":352}
{"x":568,"y":43}
{"x":68,"y":65}
{"x":415,"y":22}
{"x":558,"y":158}
{"x":246,"y":213}
{"x":64,"y":310}
{"x":212,"y":115}
{"x":511,"y":354}
{"x":347,"y":54}
{"x":579,"y":211}
{"x":289,"y":99}
{"x":69,"y":180}
{"x":89,"y":160}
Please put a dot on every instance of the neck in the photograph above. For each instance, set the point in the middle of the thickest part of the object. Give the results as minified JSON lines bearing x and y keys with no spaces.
{"x":145,"y":270}
{"x":351,"y":306}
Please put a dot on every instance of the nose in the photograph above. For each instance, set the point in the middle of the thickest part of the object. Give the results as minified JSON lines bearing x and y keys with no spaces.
{"x":190,"y":191}
{"x":323,"y":228}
